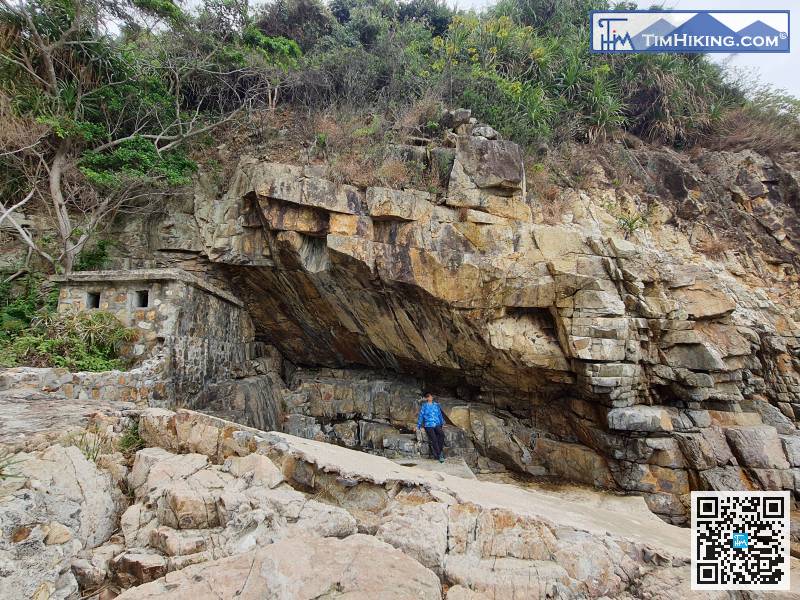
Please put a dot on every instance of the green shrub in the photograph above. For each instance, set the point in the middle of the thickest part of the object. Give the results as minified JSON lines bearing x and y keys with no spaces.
{"x":95,"y":258}
{"x":628,"y":221}
{"x":766,"y":122}
{"x":79,"y":341}
{"x":524,"y":67}
{"x":131,"y":441}
{"x":21,"y":301}
{"x":528,"y":85}
{"x":553,"y":16}
{"x":304,"y":21}
{"x":136,"y":159}
{"x":673,"y":98}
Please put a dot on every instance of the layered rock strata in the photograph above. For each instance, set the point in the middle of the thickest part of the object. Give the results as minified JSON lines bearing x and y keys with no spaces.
{"x":589,"y":347}
{"x":626,"y":363}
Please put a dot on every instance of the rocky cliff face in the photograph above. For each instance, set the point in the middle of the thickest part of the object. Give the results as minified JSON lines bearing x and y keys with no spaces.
{"x":587,"y":348}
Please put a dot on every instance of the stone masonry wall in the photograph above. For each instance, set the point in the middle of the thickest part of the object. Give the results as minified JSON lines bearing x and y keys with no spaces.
{"x":142,"y":386}
{"x":193,"y":333}
{"x":152,"y":322}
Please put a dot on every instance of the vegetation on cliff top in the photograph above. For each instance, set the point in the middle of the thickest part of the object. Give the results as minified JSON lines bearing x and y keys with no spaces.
{"x":106,"y":106}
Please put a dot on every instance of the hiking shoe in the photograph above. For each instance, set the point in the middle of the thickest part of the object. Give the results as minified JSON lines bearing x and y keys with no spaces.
{"x":441,"y":459}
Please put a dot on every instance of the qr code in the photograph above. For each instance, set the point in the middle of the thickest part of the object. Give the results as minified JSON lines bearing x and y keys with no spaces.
{"x":740,"y":540}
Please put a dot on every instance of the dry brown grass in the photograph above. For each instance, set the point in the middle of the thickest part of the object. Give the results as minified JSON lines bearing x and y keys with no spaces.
{"x":393,"y":173}
{"x":353,"y":146}
{"x":742,"y":129}
{"x":412,"y":120}
{"x":352,"y":168}
{"x":545,"y":193}
{"x":17,"y":132}
{"x":333,"y":130}
{"x":432,"y":180}
{"x":553,"y":208}
{"x":715,"y":247}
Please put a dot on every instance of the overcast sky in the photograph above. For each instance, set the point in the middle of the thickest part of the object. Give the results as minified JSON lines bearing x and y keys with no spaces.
{"x":780,"y":70}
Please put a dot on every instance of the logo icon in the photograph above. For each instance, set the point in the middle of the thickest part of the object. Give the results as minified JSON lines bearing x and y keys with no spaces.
{"x":730,"y":31}
{"x":739,"y":540}
{"x":609,"y":38}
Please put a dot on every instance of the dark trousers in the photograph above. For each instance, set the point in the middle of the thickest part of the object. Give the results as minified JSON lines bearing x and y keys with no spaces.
{"x":435,"y":440}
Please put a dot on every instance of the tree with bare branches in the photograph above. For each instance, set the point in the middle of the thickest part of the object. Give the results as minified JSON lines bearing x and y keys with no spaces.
{"x":99,"y":100}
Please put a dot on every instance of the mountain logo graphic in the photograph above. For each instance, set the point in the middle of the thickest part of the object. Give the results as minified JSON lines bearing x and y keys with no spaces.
{"x":610,"y":39}
{"x":728,"y":31}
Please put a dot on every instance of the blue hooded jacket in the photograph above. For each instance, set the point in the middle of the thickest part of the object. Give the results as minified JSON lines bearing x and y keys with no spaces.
{"x":430,"y":415}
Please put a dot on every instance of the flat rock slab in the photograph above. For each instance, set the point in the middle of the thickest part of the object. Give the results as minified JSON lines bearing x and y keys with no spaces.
{"x":456,"y":467}
{"x":626,"y":518}
{"x":26,"y":414}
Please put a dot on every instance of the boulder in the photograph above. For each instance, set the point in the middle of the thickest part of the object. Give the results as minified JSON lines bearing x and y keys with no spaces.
{"x":488,"y":175}
{"x":418,"y":530}
{"x":256,"y":466}
{"x":640,"y":418}
{"x":62,"y":503}
{"x":489,"y":163}
{"x":133,"y":568}
{"x":485,"y":131}
{"x":758,"y":447}
{"x":76,"y":493}
{"x":301,"y":568}
{"x":154,"y":469}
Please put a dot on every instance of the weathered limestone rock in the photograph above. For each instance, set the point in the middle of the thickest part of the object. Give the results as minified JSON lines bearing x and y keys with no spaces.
{"x":59,"y":504}
{"x":495,"y":540}
{"x":301,"y":568}
{"x":133,"y":568}
{"x":418,"y":528}
{"x":391,"y":204}
{"x":155,"y":469}
{"x":263,"y":471}
{"x":73,"y":491}
{"x":91,"y":568}
{"x":459,"y":592}
{"x":286,"y":510}
{"x":640,"y":418}
{"x":559,"y":349}
{"x":702,"y":301}
{"x":488,"y":175}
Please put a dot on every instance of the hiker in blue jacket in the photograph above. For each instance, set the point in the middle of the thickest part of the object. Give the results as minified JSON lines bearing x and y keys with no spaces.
{"x":431,"y":417}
